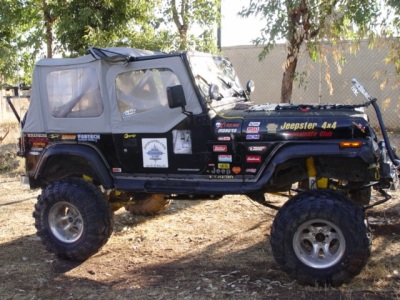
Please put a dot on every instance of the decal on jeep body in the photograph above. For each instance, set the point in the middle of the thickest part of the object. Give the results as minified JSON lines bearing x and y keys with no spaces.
{"x":252,"y":129}
{"x":224,"y":158}
{"x":182,"y":141}
{"x":68,"y":137}
{"x":88,"y":137}
{"x":298,"y":126}
{"x":220,"y":148}
{"x":227,"y":127}
{"x":253,"y":159}
{"x":261,"y":149}
{"x":252,"y":137}
{"x":155,"y":153}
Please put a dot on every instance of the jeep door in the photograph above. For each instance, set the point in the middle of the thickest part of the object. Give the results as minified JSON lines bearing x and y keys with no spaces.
{"x":148,"y":135}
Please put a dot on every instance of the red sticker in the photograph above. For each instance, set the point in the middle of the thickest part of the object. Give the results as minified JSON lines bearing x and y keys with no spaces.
{"x":253,"y":159}
{"x":220,"y":148}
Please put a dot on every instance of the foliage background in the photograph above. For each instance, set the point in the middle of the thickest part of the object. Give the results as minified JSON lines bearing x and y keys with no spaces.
{"x":33,"y":29}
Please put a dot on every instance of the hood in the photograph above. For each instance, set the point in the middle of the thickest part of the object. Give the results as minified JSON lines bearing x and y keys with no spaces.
{"x":292,"y":122}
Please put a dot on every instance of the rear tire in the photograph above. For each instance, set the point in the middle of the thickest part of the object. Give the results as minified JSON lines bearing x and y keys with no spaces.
{"x":148,"y":204}
{"x":73,"y":219}
{"x":320,"y":238}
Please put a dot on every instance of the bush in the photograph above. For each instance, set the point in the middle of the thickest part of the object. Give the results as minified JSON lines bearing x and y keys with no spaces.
{"x":9,"y":162}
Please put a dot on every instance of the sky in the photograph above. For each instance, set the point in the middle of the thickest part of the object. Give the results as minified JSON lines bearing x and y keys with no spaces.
{"x":236,"y":30}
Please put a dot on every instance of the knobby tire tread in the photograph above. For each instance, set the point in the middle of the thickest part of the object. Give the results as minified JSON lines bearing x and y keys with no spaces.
{"x":98,"y":218}
{"x":321,"y":205}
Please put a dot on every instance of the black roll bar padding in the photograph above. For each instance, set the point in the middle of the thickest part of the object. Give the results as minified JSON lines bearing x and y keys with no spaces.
{"x":393,"y":157}
{"x":372,"y":100}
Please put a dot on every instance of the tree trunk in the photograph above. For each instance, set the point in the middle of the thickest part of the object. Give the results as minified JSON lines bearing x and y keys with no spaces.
{"x":287,"y":79}
{"x":183,"y":36}
{"x":182,"y":26}
{"x":48,"y":23}
{"x":298,"y":18}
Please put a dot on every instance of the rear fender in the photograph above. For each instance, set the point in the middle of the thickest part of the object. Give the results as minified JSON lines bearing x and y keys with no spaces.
{"x":59,"y":161}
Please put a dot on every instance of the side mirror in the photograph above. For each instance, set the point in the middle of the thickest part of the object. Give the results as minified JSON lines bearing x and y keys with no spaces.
{"x":214,"y":92}
{"x":250,"y":86}
{"x":176,"y":96}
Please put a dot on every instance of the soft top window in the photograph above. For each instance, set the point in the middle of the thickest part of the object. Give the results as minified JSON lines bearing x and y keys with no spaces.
{"x":74,"y":93}
{"x":142,"y":90}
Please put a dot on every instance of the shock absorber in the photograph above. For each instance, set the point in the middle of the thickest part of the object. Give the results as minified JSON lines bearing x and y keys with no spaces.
{"x":311,"y":172}
{"x":313,"y":183}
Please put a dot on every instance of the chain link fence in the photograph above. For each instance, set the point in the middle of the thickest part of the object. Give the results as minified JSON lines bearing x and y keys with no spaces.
{"x":324,"y":83}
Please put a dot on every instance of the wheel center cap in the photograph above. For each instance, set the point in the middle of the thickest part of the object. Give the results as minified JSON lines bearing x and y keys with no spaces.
{"x":320,"y":237}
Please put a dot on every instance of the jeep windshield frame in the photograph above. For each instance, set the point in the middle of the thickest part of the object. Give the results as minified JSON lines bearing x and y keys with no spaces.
{"x":217,"y":70}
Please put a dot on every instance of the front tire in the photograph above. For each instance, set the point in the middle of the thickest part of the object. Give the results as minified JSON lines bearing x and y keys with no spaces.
{"x":361,"y":197}
{"x":73,"y":219}
{"x":320,"y":238}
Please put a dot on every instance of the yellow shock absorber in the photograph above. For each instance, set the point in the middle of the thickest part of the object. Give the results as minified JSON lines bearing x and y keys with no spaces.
{"x":311,"y":172}
{"x":313,"y":183}
{"x":322,"y":183}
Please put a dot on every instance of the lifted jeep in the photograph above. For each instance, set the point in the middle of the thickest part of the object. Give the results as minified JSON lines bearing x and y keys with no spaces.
{"x":131,"y":128}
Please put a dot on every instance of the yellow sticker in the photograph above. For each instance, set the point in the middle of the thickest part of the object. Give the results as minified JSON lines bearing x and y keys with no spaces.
{"x":224,"y":166}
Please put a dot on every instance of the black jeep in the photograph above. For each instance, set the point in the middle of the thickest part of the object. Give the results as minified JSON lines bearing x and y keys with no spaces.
{"x":130,"y":128}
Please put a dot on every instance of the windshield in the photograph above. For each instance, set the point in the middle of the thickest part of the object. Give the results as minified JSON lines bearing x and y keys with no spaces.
{"x":218,"y":70}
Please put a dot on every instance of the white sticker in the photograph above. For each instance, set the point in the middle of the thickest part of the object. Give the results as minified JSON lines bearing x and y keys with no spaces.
{"x":155,"y":153}
{"x":36,"y":135}
{"x":182,"y":141}
{"x":129,"y":112}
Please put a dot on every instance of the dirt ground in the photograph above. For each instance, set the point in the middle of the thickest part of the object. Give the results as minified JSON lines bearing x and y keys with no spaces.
{"x":203,"y":249}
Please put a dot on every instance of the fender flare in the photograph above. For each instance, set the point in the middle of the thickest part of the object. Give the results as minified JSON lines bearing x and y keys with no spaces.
{"x":292,"y":150}
{"x":87,"y":152}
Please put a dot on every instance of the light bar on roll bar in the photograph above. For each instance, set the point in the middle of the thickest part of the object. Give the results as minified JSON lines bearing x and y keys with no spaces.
{"x":358,"y":87}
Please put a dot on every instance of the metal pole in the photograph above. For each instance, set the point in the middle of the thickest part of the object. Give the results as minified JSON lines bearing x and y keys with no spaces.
{"x":219,"y":43}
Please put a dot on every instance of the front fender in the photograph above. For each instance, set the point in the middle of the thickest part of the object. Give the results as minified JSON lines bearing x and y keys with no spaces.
{"x":324,"y":153}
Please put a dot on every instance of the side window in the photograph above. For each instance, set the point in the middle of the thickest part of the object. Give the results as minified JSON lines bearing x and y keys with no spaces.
{"x":142,"y":90}
{"x":74,"y":93}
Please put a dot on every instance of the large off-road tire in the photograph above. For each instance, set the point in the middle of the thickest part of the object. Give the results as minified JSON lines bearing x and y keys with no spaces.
{"x":73,"y":219}
{"x":148,"y":204}
{"x":320,"y":238}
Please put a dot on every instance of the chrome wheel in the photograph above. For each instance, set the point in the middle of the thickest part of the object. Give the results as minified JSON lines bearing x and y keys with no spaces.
{"x":320,"y":238}
{"x":319,"y":243}
{"x":65,"y":222}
